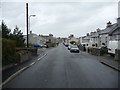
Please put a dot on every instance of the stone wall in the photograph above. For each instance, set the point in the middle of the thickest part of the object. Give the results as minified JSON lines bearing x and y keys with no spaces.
{"x":95,"y":51}
{"x":29,"y":54}
{"x":82,"y":48}
{"x":32,"y":50}
{"x":25,"y":57}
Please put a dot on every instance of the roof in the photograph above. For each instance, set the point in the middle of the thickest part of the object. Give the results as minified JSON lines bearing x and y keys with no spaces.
{"x":108,"y":29}
{"x":115,"y":30}
{"x":87,"y":37}
{"x":44,"y":35}
{"x":95,"y":35}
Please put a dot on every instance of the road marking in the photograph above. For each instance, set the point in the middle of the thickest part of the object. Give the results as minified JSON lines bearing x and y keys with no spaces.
{"x":32,"y":63}
{"x":41,"y":57}
{"x":20,"y":71}
{"x":13,"y":76}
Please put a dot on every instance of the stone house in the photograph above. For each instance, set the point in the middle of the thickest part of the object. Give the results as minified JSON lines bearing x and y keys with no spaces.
{"x":114,"y":35}
{"x":48,"y":38}
{"x":94,"y":37}
{"x":115,"y":32}
{"x":104,"y":33}
{"x":84,"y":39}
{"x":72,"y":38}
{"x":39,"y":39}
{"x":100,"y":36}
{"x":33,"y":38}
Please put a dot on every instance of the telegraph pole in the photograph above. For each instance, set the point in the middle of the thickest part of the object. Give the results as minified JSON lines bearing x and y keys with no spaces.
{"x":27,"y":23}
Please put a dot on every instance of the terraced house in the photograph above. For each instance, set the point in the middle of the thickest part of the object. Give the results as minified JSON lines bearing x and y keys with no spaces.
{"x":111,"y":32}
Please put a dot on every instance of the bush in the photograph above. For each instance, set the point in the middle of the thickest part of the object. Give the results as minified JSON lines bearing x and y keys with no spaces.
{"x":8,"y":52}
{"x":102,"y":52}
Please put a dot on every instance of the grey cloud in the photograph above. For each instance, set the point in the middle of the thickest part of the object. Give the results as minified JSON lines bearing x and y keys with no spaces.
{"x":61,"y":19}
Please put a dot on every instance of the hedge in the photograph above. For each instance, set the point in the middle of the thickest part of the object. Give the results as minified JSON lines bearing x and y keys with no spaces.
{"x":8,"y":52}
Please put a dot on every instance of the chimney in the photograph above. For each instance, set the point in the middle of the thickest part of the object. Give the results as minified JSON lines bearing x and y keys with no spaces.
{"x":109,"y":24}
{"x":71,"y":35}
{"x":30,"y":32}
{"x":87,"y":34}
{"x":118,"y":21}
{"x":98,"y":30}
{"x":51,"y":35}
{"x":91,"y":33}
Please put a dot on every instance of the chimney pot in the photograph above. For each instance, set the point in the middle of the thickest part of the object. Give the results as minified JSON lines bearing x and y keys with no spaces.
{"x":98,"y":30}
{"x":30,"y":32}
{"x":109,"y":24}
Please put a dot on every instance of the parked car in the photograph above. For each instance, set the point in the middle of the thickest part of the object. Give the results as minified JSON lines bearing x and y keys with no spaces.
{"x":103,"y":48}
{"x":74,"y":48}
{"x":112,"y":46}
{"x":69,"y":46}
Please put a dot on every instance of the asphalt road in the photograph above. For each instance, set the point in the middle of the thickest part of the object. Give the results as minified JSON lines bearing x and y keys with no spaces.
{"x":8,"y":72}
{"x":62,"y":69}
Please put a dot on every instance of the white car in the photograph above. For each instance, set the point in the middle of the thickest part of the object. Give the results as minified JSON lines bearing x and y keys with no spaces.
{"x":112,"y":46}
{"x":74,"y":48}
{"x":69,"y":46}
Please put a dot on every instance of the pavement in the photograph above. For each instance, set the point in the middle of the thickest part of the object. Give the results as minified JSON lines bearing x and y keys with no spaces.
{"x":10,"y":71}
{"x":107,"y":60}
{"x":62,"y":69}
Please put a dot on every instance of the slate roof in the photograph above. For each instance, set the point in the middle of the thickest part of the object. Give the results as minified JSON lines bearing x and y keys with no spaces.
{"x":87,"y":37}
{"x":108,"y":29}
{"x":117,"y":28}
{"x":95,"y":35}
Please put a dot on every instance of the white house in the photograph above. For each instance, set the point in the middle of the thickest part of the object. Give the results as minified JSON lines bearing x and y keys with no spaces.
{"x":104,"y":34}
{"x":72,"y":38}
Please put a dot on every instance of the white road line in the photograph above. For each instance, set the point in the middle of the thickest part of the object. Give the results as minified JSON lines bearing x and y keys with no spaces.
{"x":20,"y":71}
{"x":41,"y":57}
{"x":13,"y":76}
{"x":32,"y":64}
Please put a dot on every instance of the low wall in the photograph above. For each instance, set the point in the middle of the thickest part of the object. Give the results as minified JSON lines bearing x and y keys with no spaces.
{"x":32,"y":50}
{"x":40,"y":50}
{"x":29,"y":54}
{"x":117,"y":54}
{"x":25,"y":57}
{"x":95,"y":51}
{"x":82,"y":48}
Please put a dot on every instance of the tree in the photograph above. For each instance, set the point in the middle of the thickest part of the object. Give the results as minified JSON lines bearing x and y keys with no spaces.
{"x":18,"y":37}
{"x":5,"y":30}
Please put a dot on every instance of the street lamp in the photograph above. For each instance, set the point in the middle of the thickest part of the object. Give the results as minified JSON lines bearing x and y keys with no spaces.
{"x":29,"y":20}
{"x":27,"y":23}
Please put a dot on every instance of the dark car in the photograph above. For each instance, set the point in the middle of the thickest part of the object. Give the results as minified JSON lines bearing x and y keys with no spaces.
{"x":66,"y":44}
{"x":103,"y":48}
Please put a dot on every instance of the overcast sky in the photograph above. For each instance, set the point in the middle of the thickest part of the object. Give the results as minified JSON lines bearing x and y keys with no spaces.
{"x":60,"y":19}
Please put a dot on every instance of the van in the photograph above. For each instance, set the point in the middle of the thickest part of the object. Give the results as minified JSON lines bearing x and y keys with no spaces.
{"x":88,"y":44}
{"x":112,"y":46}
